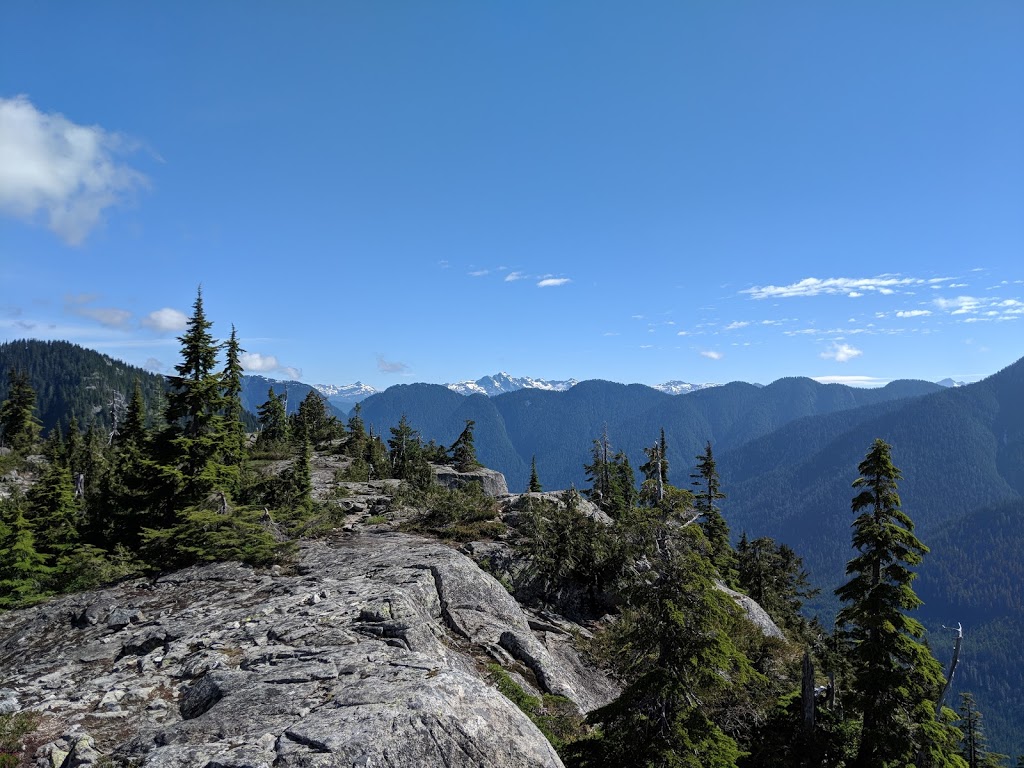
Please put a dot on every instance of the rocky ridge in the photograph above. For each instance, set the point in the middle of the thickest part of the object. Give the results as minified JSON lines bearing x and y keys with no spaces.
{"x":372,"y":652}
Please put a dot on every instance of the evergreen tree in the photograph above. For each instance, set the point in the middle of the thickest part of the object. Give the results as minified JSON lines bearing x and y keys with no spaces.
{"x":134,"y":430}
{"x":23,"y":569}
{"x":535,"y":486}
{"x":655,"y":472}
{"x":311,"y":422}
{"x":274,"y":429}
{"x":356,"y":433}
{"x":775,"y":577}
{"x":973,"y":742}
{"x":19,"y":426}
{"x":406,"y":455}
{"x":463,"y":451}
{"x":195,"y":441}
{"x":674,"y":649}
{"x":896,"y":678}
{"x":231,"y":380}
{"x":708,"y":492}
{"x":53,"y":511}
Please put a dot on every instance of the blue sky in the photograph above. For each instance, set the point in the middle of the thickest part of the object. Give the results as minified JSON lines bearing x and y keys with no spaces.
{"x":409,"y":191}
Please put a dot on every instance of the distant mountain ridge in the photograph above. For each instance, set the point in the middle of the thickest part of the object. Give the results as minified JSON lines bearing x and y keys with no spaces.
{"x":502,"y":383}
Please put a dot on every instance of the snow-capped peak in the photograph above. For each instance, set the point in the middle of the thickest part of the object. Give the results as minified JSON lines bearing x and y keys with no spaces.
{"x":682,"y":387}
{"x":503,"y":382}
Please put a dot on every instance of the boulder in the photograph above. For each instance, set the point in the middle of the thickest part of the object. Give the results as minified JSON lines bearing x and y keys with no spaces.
{"x":492,"y":482}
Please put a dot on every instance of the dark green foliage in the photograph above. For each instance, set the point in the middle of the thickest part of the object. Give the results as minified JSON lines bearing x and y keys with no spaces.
{"x":896,"y":678}
{"x":534,"y":486}
{"x":773,"y":574}
{"x":202,"y":535}
{"x":312,"y":423}
{"x":19,"y":425}
{"x":406,"y":455}
{"x":612,"y":482}
{"x":73,"y":382}
{"x":458,"y":514}
{"x":23,"y":570}
{"x":231,"y":381}
{"x":567,"y":550}
{"x":973,"y":741}
{"x":707,"y":494}
{"x":673,"y":648}
{"x":463,"y":451}
{"x":53,"y":511}
{"x":274,"y":427}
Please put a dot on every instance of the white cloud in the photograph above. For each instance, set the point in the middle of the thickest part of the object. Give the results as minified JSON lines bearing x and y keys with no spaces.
{"x":293,"y":374}
{"x":553,"y":282}
{"x":513,"y":276}
{"x":711,"y":354}
{"x":855,"y":294}
{"x":166,"y":319}
{"x":257,"y":363}
{"x":913,"y":313}
{"x":152,"y":364}
{"x":683,"y":333}
{"x":737,"y":324}
{"x":854,"y":287}
{"x":480,"y":273}
{"x":69,"y":172}
{"x":841,"y":353}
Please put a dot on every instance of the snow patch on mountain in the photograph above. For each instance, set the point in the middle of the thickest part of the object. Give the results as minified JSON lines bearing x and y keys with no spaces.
{"x":683,"y":387}
{"x":500,"y":383}
{"x":951,"y":383}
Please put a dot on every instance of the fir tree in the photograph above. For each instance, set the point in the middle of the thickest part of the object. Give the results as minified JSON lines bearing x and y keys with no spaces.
{"x":896,"y":678}
{"x":463,"y":451}
{"x":274,"y":428}
{"x":23,"y":569}
{"x":194,"y":445}
{"x":535,"y":486}
{"x":19,"y":426}
{"x":708,"y":492}
{"x":406,"y":455}
{"x":231,"y":380}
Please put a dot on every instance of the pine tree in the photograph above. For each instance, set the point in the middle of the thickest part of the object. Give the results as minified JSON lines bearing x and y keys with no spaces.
{"x":311,"y":421}
{"x":896,"y":678}
{"x":535,"y":486}
{"x":356,"y":433}
{"x":53,"y":511}
{"x":463,"y":451}
{"x":655,"y":473}
{"x":19,"y":425}
{"x":716,"y":530}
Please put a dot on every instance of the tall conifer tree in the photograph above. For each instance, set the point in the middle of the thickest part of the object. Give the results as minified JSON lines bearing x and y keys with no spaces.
{"x":896,"y":678}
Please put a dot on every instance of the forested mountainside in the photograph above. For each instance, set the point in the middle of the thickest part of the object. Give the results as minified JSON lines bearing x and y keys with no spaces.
{"x":74,"y":382}
{"x":558,"y":427}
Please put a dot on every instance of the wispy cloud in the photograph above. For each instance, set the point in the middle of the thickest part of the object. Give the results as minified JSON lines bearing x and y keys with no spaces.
{"x":736,"y":325}
{"x":711,"y":354}
{"x":511,"y":277}
{"x":111,"y":317}
{"x":390,"y":366}
{"x":553,"y":282}
{"x":849,"y":286}
{"x":166,"y":320}
{"x":479,"y":272}
{"x":70,"y":173}
{"x":913,"y":313}
{"x":841,"y":353}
